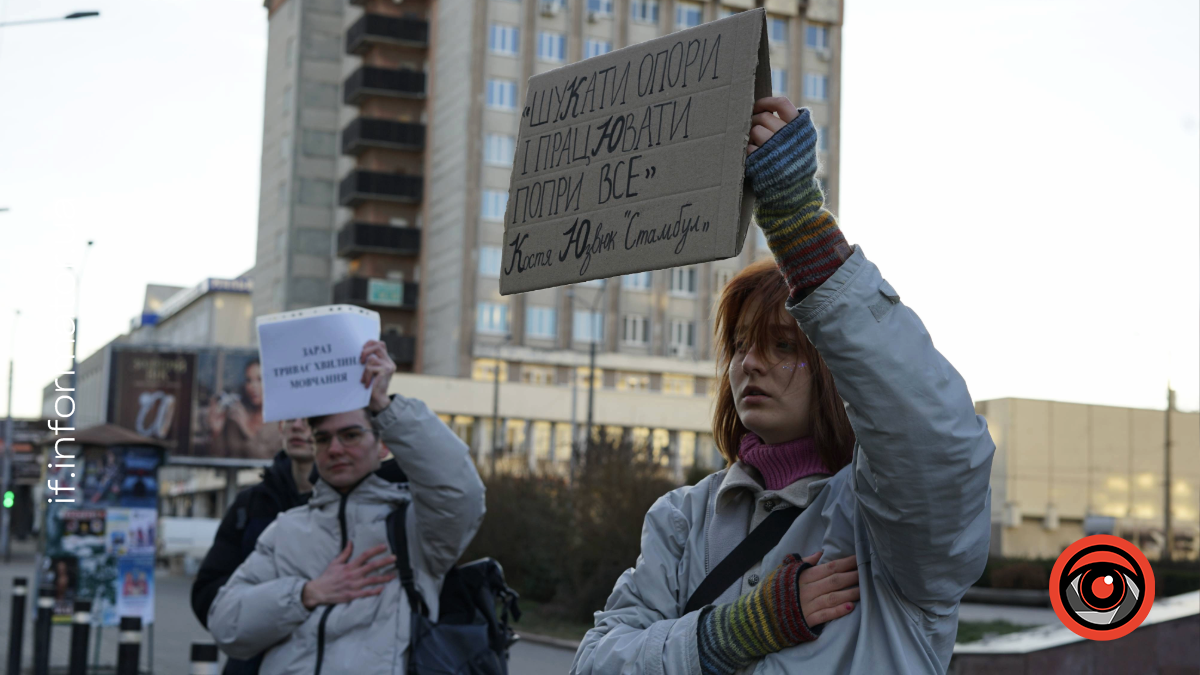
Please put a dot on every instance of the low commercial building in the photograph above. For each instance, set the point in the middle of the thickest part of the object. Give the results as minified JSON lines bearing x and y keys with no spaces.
{"x":1066,"y":470}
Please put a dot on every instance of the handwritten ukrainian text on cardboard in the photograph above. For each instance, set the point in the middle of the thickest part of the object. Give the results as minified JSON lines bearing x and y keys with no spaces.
{"x":635,"y":160}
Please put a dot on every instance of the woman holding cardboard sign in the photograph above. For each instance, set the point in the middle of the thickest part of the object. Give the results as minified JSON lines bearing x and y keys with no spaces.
{"x":841,"y":537}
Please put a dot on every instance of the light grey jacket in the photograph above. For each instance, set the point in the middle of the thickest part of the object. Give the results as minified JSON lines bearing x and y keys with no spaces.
{"x":259,"y":608}
{"x":914,"y":506}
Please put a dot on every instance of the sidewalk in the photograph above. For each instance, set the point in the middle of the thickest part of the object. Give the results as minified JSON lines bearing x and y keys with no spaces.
{"x":175,"y":629}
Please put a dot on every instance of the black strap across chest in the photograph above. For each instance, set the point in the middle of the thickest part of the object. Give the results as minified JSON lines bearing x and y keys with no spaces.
{"x":757,"y":544}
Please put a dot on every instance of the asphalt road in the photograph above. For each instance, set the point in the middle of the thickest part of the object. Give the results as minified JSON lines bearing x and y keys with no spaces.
{"x":175,"y":629}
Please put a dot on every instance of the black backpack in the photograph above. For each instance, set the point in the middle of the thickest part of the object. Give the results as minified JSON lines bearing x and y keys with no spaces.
{"x":468,"y":638}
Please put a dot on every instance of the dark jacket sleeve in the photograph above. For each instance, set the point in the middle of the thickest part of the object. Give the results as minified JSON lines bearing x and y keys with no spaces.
{"x":222,"y":559}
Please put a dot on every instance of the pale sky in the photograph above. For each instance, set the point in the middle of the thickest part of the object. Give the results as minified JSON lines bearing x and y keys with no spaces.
{"x":1026,"y":174}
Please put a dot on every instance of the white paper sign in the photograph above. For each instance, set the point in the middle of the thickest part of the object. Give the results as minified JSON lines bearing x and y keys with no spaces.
{"x":310,"y":360}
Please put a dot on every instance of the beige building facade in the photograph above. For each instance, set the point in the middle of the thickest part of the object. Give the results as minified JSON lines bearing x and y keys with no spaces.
{"x":1064,"y":470}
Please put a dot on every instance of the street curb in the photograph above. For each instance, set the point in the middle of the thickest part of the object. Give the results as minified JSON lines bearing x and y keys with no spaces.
{"x":573,"y":645}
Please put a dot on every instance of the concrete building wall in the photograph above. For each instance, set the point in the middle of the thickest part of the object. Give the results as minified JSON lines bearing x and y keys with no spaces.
{"x":294,"y":256}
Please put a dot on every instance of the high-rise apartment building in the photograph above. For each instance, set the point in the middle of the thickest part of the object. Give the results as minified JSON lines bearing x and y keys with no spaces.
{"x":426,"y":119}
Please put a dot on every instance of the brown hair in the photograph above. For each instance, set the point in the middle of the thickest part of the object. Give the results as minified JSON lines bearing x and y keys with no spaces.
{"x":761,"y":290}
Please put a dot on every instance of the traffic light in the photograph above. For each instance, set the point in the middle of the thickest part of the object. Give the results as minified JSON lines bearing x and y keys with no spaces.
{"x":8,"y":499}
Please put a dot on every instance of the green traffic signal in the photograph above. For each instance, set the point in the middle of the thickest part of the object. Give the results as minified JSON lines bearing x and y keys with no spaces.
{"x":8,"y":499}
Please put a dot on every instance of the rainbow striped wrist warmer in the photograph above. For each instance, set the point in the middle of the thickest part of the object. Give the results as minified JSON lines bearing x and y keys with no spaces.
{"x":801,"y":233}
{"x":734,"y":635}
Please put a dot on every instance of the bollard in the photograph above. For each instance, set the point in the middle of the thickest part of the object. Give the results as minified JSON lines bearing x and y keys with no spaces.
{"x":204,"y":659}
{"x":16,"y":634}
{"x":81,"y":626}
{"x":41,"y":632}
{"x":129,"y":643}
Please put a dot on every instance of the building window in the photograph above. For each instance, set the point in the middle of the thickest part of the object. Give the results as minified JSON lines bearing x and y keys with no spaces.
{"x":493,"y":205}
{"x":635,"y":330}
{"x":683,"y":337}
{"x":315,"y":192}
{"x":498,"y":149}
{"x":725,"y":12}
{"x":644,"y":11}
{"x":537,"y":374}
{"x":721,"y":279}
{"x":491,"y":318}
{"x":583,"y":377}
{"x":816,"y":87}
{"x":678,"y":385}
{"x":289,"y":99}
{"x":777,"y":30}
{"x":600,"y":7}
{"x":502,"y":94}
{"x":627,"y":381}
{"x":552,"y":46}
{"x":592,"y":283}
{"x":688,"y":15}
{"x":283,"y":195}
{"x":485,"y":370}
{"x":540,"y":322}
{"x":589,"y":326}
{"x":639,"y":281}
{"x":319,"y":143}
{"x":817,"y":37}
{"x":290,"y":52}
{"x":823,"y":138}
{"x":596,"y":48}
{"x":683,"y":281}
{"x":779,"y":81}
{"x":489,"y":261}
{"x":504,"y":40}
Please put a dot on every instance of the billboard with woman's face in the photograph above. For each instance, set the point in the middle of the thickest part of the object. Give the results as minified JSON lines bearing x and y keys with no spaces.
{"x":228,"y":419}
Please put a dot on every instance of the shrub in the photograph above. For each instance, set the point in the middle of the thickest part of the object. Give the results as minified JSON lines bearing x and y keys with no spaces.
{"x":1025,"y":575}
{"x":566,"y":545}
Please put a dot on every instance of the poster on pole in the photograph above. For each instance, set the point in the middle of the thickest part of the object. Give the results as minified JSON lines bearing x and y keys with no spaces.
{"x":635,"y":160}
{"x":310,"y":360}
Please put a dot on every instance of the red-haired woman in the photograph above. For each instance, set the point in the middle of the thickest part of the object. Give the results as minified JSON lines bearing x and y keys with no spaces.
{"x":891,"y":486}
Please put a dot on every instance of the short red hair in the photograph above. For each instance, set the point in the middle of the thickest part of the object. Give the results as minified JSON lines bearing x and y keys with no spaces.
{"x":761,"y":290}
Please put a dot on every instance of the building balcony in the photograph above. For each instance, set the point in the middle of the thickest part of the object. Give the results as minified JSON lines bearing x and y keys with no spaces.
{"x":359,"y":186}
{"x":367,"y":132}
{"x":384,"y":293}
{"x":402,"y":348}
{"x":375,"y":29}
{"x":390,"y":82}
{"x":358,"y":238}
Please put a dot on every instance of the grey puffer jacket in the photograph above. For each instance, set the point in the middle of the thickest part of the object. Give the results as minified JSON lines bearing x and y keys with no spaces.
{"x":259,"y":609}
{"x":914,"y":506}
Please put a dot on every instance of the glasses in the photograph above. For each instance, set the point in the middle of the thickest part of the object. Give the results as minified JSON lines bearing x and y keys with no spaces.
{"x":350,"y":437}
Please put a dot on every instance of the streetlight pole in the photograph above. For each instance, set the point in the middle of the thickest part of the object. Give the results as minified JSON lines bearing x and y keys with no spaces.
{"x":1168,"y":534}
{"x":6,"y":517}
{"x":72,"y":15}
{"x":587,"y":444}
{"x":496,"y":435}
{"x":75,"y":338}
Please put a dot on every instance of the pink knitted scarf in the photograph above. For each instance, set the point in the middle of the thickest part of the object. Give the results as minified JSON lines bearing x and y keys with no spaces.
{"x":783,"y":464}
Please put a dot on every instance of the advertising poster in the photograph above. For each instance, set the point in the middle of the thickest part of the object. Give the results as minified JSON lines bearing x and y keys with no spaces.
{"x":151,"y":393}
{"x":228,"y":415}
{"x":131,"y":532}
{"x":135,"y":588}
{"x":118,"y":476}
{"x":60,"y":574}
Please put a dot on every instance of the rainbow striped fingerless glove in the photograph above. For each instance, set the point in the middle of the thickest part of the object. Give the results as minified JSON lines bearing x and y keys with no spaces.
{"x":801,"y":233}
{"x":734,"y":635}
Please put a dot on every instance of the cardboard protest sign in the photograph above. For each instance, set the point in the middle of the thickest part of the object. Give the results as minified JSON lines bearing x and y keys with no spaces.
{"x":635,"y":160}
{"x":310,"y":360}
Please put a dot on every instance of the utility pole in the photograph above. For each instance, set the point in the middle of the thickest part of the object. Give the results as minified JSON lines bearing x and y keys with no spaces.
{"x":1168,"y":534}
{"x":6,"y":516}
{"x":496,"y":433}
{"x":75,"y":338}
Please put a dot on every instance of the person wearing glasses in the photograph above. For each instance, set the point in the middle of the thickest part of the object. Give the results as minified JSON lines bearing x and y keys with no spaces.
{"x":317,"y":594}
